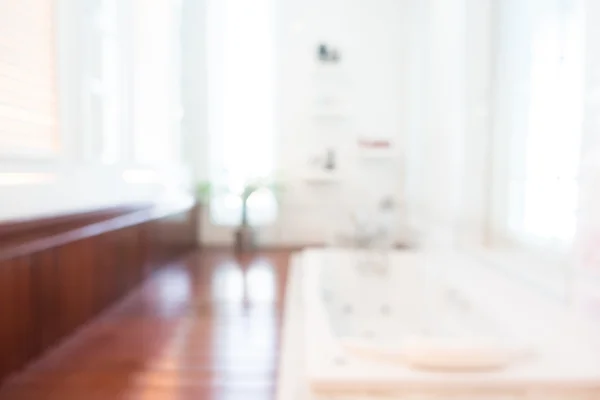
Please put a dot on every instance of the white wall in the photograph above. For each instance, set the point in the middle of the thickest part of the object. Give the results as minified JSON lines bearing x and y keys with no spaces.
{"x":420,"y":77}
{"x":373,"y":38}
{"x":444,"y":121}
{"x":475,"y":207}
{"x":448,"y":149}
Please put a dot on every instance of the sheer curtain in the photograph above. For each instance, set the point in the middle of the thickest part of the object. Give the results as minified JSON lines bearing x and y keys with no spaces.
{"x":241,"y":106}
{"x":544,"y":212}
{"x":157,"y":80}
{"x":104,"y":83}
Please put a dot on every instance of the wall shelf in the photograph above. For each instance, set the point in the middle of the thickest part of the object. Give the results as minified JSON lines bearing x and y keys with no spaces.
{"x":376,"y":149}
{"x":330,"y":116}
{"x":321,"y":177}
{"x":376,"y":154}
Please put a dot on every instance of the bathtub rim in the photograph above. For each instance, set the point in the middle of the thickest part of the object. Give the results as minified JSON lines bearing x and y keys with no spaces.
{"x":321,"y":347}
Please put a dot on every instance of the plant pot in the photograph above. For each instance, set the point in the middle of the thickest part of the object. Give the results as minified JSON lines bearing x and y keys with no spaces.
{"x":245,"y":239}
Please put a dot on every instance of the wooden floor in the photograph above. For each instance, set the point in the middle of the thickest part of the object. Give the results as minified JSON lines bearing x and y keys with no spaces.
{"x":206,"y":327}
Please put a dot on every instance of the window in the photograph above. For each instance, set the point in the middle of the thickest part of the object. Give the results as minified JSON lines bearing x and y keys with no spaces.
{"x":241,"y":102}
{"x":545,"y":199}
{"x":28,"y":97}
{"x":103,"y":80}
{"x":157,"y":81}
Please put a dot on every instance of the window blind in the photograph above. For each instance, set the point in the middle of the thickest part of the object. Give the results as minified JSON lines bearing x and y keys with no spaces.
{"x":28,"y":98}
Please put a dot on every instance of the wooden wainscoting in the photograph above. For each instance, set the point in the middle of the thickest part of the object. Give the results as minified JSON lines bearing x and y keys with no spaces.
{"x":56,"y":273}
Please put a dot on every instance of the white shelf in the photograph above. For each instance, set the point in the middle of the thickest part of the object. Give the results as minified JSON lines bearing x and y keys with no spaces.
{"x":321,"y":177}
{"x":377,"y":154}
{"x":330,"y":73}
{"x":376,"y":148}
{"x":329,"y":116}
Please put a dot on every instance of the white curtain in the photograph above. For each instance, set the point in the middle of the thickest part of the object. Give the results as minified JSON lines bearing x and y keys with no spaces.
{"x":103,"y":80}
{"x":157,"y":82}
{"x":553,"y":144}
{"x":538,"y":120}
{"x":241,"y":106}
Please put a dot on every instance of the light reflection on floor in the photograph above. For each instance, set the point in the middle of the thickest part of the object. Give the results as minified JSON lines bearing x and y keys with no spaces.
{"x":249,"y":336}
{"x":234,"y":283}
{"x":204,"y":327}
{"x":171,"y":292}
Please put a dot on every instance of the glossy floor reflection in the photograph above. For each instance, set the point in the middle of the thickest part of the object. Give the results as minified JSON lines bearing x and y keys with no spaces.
{"x":206,"y":327}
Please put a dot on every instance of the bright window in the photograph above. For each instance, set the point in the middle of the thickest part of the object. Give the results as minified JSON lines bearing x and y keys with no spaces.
{"x":28,"y":96}
{"x":548,"y":194}
{"x":103,"y":82}
{"x":157,"y":81}
{"x":241,"y":102}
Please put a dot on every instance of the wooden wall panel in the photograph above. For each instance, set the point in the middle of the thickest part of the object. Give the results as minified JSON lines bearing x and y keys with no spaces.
{"x":25,"y":329}
{"x":105,"y":270}
{"x":67,"y":279}
{"x":127,"y":241}
{"x":52,"y":286}
{"x":47,"y":297}
{"x":8,"y":323}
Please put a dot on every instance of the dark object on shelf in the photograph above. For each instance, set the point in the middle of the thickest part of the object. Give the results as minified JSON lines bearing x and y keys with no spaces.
{"x":335,"y":56}
{"x":327,"y":54}
{"x":330,"y":160}
{"x":323,"y":53}
{"x":387,"y":204}
{"x":326,"y":160}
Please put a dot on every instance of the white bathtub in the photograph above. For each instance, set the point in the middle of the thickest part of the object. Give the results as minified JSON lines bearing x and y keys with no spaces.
{"x":353,"y":316}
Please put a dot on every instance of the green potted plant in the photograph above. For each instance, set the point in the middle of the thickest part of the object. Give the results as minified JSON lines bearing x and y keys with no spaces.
{"x":245,"y":236}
